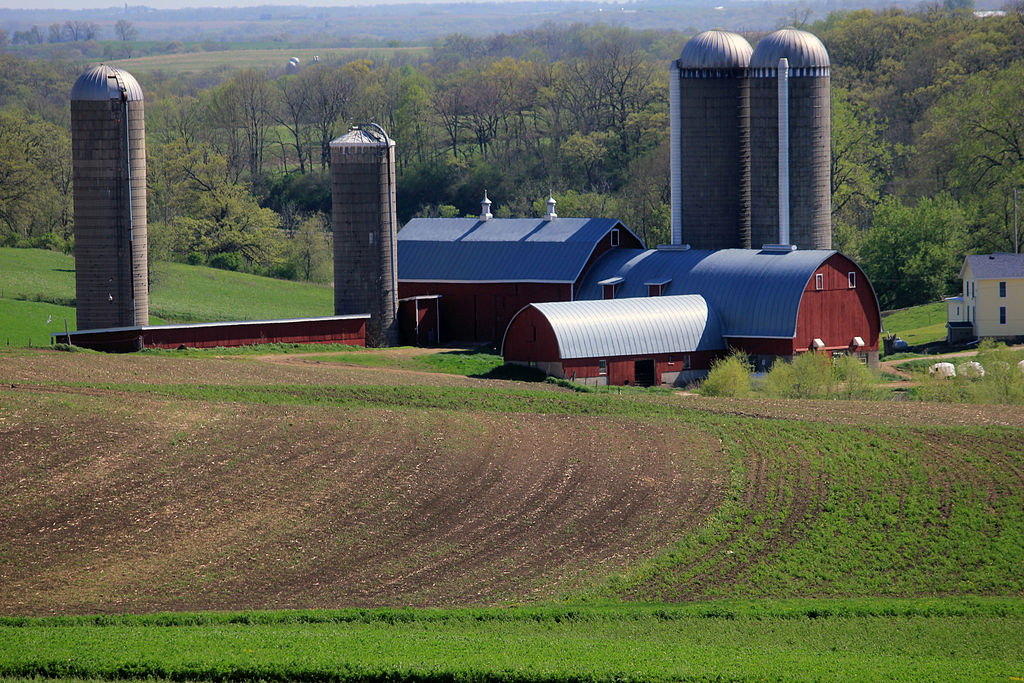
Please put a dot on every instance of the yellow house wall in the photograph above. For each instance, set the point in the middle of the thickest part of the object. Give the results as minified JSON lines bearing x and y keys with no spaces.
{"x":982,"y":301}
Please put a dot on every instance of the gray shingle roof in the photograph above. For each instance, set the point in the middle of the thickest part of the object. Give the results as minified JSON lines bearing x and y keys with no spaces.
{"x":755,"y":293}
{"x":498,"y":250}
{"x":998,"y":266}
{"x":633,"y":327}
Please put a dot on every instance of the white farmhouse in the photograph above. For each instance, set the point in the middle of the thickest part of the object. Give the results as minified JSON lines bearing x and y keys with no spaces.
{"x":992,"y":301}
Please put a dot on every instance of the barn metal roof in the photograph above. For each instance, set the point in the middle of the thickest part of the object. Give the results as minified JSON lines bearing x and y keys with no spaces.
{"x":715,"y":49}
{"x":998,"y":266}
{"x":755,"y":293}
{"x":499,"y":249}
{"x":106,"y":83}
{"x":633,"y":327}
{"x":802,"y":49}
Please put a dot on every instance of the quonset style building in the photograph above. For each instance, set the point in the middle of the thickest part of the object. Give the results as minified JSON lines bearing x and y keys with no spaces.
{"x":749,"y":165}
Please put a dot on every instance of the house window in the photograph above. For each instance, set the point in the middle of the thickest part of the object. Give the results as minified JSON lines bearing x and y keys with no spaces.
{"x":819,"y":281}
{"x":851,"y":278}
{"x":1002,"y":315}
{"x":602,"y":367}
{"x":1002,"y":290}
{"x":615,"y":237}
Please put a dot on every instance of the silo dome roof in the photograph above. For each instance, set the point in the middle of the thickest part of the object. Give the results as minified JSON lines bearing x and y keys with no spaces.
{"x":802,"y":49}
{"x":363,"y":136}
{"x":715,"y":49}
{"x":106,"y":83}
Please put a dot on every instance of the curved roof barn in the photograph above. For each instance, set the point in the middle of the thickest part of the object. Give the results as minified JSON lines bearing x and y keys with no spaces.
{"x":631,"y":327}
{"x":756,"y":293}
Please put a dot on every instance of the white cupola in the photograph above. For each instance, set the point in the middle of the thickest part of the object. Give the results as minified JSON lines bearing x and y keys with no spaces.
{"x":551,"y":215}
{"x":485,"y":208}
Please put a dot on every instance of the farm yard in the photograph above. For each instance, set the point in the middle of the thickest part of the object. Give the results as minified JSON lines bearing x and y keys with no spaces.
{"x":640,"y":535}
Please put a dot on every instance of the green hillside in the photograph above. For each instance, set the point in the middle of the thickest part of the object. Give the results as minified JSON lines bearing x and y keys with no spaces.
{"x":38,"y":285}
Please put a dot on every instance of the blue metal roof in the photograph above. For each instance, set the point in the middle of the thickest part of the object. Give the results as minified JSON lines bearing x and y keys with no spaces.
{"x":498,"y":250}
{"x":633,"y":327}
{"x":997,"y":266}
{"x":755,"y":293}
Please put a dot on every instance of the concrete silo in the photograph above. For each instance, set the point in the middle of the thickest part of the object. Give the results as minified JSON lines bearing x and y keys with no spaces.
{"x":795,"y":65}
{"x":108,"y":147}
{"x":364,"y":225}
{"x":710,"y":157}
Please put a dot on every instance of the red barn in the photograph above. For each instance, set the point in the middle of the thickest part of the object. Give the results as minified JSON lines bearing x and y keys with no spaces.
{"x":485,"y":270}
{"x":771,"y":302}
{"x":641,"y":341}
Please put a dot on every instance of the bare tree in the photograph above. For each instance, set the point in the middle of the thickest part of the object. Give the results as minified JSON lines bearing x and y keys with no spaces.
{"x":294,"y":113}
{"x":125,"y":30}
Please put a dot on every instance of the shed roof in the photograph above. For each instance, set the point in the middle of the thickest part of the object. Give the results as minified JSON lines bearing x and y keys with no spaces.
{"x":499,"y":249}
{"x":633,"y":327}
{"x":106,"y":83}
{"x":998,"y":266}
{"x":756,"y":293}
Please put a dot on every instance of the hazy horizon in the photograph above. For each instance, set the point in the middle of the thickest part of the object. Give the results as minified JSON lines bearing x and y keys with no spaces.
{"x":75,"y":5}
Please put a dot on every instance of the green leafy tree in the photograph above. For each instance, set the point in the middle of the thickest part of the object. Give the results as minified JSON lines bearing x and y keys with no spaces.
{"x":913,"y":254}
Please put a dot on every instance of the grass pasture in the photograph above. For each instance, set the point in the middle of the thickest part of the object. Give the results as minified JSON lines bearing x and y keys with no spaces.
{"x":925,"y":324}
{"x":262,"y":59}
{"x":178,"y":293}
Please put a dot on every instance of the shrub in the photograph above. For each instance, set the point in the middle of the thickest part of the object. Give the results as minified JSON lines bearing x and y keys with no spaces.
{"x":729,"y":376}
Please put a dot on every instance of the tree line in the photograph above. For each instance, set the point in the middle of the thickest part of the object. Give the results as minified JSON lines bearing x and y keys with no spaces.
{"x":926,"y":142}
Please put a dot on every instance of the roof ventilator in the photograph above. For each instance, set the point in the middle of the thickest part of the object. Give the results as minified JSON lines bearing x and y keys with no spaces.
{"x":485,"y":208}
{"x":551,"y":215}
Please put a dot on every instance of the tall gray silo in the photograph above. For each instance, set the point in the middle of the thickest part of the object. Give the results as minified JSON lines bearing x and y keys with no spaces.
{"x":108,"y":149}
{"x":365,"y":229}
{"x":805,"y":162}
{"x":710,"y":157}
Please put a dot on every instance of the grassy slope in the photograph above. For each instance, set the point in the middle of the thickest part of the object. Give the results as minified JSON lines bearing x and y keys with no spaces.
{"x":917,"y":325}
{"x":178,"y":293}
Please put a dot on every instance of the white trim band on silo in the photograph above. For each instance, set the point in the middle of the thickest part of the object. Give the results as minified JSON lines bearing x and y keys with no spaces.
{"x":783,"y":151}
{"x":675,"y":155}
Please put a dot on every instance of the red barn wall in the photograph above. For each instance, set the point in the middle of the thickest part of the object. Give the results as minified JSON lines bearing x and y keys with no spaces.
{"x":626,"y":241}
{"x":836,"y":314}
{"x":480,"y":312}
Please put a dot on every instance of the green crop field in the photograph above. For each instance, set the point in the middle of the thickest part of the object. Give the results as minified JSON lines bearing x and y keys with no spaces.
{"x":195,"y":62}
{"x":865,"y":640}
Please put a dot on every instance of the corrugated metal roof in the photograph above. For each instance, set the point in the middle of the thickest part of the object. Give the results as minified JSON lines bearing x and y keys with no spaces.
{"x":1000,"y":265}
{"x":633,"y":327}
{"x":801,"y":48}
{"x":359,"y":137}
{"x":106,"y":83}
{"x":715,"y":49}
{"x":756,"y":293}
{"x":498,"y":250}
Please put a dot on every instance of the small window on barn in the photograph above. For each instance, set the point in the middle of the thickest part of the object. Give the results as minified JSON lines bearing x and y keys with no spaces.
{"x":851,"y":279}
{"x":819,"y":281}
{"x":1002,"y":290}
{"x":686,"y":362}
{"x":653,"y":290}
{"x":609,"y":291}
{"x":602,"y":367}
{"x":615,"y":237}
{"x":533,"y":337}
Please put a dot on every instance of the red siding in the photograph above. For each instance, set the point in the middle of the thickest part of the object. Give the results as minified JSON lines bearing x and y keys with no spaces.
{"x":417,"y":321}
{"x":350,"y":331}
{"x":836,"y":314}
{"x":621,"y":368}
{"x":530,"y":339}
{"x":481,"y":312}
{"x":626,"y":241}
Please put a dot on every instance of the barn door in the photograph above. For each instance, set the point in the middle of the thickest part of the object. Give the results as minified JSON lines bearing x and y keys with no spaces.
{"x":643,"y":373}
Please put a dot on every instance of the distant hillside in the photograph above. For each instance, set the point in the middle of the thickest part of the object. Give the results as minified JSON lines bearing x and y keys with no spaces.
{"x":36,"y":285}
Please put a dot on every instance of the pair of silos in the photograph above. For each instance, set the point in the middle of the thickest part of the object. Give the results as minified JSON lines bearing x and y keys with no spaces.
{"x":108,"y":149}
{"x":726,"y":126}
